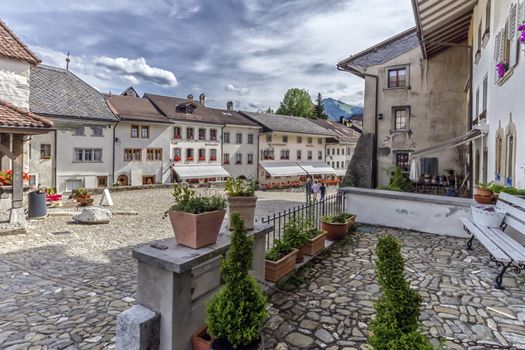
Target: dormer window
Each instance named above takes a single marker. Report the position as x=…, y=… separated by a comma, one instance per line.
x=189, y=110
x=186, y=108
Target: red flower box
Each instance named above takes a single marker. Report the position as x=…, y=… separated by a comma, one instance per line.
x=189, y=158
x=213, y=158
x=226, y=162
x=177, y=159
x=202, y=158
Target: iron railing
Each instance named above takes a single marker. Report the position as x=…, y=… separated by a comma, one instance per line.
x=312, y=211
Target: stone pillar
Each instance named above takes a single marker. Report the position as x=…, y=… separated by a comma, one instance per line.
x=5, y=162
x=17, y=211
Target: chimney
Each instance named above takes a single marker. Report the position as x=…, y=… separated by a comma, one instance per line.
x=202, y=99
x=190, y=97
x=229, y=105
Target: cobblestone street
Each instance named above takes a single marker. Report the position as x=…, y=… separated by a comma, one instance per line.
x=333, y=302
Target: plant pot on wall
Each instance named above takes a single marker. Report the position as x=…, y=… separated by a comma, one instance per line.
x=315, y=245
x=196, y=230
x=201, y=340
x=275, y=270
x=335, y=232
x=245, y=206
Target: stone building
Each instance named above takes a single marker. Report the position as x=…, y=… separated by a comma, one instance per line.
x=408, y=105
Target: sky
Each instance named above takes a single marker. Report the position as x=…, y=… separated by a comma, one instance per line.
x=246, y=51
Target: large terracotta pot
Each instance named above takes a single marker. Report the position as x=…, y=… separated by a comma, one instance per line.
x=200, y=340
x=275, y=270
x=245, y=206
x=258, y=345
x=335, y=232
x=84, y=201
x=315, y=245
x=483, y=199
x=484, y=192
x=196, y=230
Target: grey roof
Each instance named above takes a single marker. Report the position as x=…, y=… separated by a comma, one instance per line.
x=284, y=123
x=385, y=51
x=343, y=133
x=59, y=93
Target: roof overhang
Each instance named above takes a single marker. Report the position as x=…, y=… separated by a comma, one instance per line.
x=472, y=135
x=442, y=23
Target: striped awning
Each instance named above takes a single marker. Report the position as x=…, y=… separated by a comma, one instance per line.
x=317, y=168
x=200, y=171
x=283, y=169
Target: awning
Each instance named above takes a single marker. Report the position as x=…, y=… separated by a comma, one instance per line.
x=200, y=171
x=340, y=172
x=283, y=169
x=455, y=142
x=319, y=168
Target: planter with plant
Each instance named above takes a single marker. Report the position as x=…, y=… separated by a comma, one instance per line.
x=242, y=200
x=280, y=261
x=295, y=236
x=513, y=191
x=336, y=227
x=316, y=241
x=484, y=194
x=350, y=218
x=196, y=220
x=237, y=312
x=83, y=196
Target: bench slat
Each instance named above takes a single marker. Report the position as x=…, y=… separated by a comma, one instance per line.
x=518, y=202
x=517, y=214
x=493, y=249
x=514, y=249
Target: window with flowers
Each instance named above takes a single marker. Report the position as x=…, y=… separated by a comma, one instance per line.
x=177, y=154
x=213, y=154
x=202, y=154
x=6, y=177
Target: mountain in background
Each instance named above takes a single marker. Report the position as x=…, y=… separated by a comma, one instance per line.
x=335, y=109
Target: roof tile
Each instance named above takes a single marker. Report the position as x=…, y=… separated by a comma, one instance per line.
x=11, y=46
x=12, y=116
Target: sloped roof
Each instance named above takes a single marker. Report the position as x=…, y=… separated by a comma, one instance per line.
x=284, y=123
x=342, y=133
x=135, y=108
x=11, y=46
x=383, y=52
x=59, y=93
x=233, y=117
x=12, y=116
x=168, y=106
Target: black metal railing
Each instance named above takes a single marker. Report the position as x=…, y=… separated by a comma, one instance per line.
x=312, y=211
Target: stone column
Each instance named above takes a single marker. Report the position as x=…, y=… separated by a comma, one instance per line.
x=17, y=211
x=5, y=162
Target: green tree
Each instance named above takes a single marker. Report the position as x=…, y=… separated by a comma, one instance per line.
x=296, y=102
x=319, y=108
x=269, y=110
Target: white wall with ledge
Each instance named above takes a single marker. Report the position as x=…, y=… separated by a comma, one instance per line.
x=14, y=81
x=408, y=211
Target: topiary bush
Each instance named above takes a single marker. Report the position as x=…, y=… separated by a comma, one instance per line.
x=236, y=313
x=396, y=325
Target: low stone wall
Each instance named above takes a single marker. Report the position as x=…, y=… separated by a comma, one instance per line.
x=409, y=211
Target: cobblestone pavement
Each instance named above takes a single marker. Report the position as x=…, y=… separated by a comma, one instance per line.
x=331, y=303
x=62, y=285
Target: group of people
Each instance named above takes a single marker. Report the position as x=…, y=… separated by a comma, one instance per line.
x=316, y=189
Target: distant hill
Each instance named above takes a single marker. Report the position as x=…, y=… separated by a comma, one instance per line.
x=335, y=109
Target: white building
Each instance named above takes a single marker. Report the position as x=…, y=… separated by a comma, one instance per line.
x=79, y=153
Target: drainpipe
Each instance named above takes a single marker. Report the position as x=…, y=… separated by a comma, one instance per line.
x=55, y=155
x=114, y=154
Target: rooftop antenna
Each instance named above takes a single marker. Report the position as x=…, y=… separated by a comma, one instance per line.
x=68, y=59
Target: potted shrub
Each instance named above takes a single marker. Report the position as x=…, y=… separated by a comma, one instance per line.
x=497, y=189
x=280, y=261
x=295, y=236
x=336, y=226
x=350, y=218
x=237, y=312
x=242, y=200
x=196, y=220
x=316, y=241
x=484, y=194
x=83, y=196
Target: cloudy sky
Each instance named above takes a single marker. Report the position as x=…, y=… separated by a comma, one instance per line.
x=247, y=51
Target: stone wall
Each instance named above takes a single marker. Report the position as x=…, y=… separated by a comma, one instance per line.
x=14, y=81
x=359, y=173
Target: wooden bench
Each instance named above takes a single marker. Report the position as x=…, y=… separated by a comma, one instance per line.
x=504, y=250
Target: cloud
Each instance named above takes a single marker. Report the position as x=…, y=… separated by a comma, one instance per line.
x=138, y=68
x=241, y=91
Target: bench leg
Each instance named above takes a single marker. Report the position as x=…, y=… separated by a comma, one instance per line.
x=469, y=243
x=499, y=278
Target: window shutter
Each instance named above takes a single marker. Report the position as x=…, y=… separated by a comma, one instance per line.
x=521, y=12
x=497, y=43
x=513, y=21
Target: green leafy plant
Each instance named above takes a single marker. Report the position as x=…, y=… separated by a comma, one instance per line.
x=396, y=325
x=237, y=312
x=81, y=192
x=335, y=219
x=295, y=233
x=497, y=188
x=399, y=181
x=240, y=187
x=278, y=251
x=188, y=201
x=485, y=185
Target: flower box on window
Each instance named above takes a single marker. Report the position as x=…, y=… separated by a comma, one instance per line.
x=226, y=162
x=214, y=158
x=177, y=159
x=189, y=158
x=502, y=68
x=202, y=158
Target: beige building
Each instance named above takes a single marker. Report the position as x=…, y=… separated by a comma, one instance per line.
x=408, y=105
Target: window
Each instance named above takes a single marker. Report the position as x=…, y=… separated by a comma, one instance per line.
x=309, y=140
x=189, y=134
x=189, y=154
x=177, y=134
x=477, y=103
x=213, y=154
x=148, y=180
x=87, y=155
x=499, y=155
x=319, y=141
x=320, y=155
x=202, y=154
x=397, y=77
x=480, y=41
x=154, y=154
x=226, y=137
x=45, y=151
x=213, y=134
x=238, y=138
x=102, y=181
x=177, y=154
x=226, y=158
x=78, y=131
x=250, y=158
x=338, y=151
x=337, y=165
x=285, y=154
x=132, y=154
x=238, y=158
x=285, y=138
x=401, y=118
x=485, y=95
x=268, y=154
x=511, y=159
x=488, y=17
x=202, y=134
x=268, y=137
x=250, y=139
x=299, y=154
x=309, y=155
x=299, y=139
x=97, y=131
x=72, y=185
x=402, y=161
x=134, y=132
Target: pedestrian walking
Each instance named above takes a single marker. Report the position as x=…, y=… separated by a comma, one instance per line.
x=322, y=190
x=315, y=190
x=308, y=190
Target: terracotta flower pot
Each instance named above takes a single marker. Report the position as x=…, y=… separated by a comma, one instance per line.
x=300, y=255
x=484, y=192
x=483, y=199
x=200, y=340
x=245, y=206
x=275, y=270
x=196, y=230
x=85, y=200
x=256, y=345
x=335, y=232
x=315, y=245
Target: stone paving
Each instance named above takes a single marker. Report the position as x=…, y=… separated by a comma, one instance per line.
x=330, y=303
x=62, y=285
